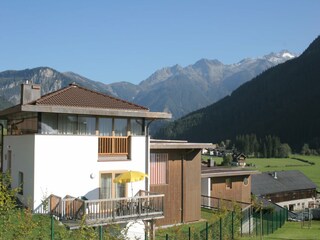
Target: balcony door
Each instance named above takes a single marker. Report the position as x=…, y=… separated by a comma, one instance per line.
x=108, y=189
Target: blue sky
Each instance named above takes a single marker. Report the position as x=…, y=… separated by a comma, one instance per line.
x=112, y=41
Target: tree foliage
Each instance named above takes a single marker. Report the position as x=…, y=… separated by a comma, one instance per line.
x=267, y=147
x=7, y=194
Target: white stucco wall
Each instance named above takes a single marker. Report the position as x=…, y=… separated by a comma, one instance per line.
x=299, y=204
x=22, y=159
x=205, y=186
x=205, y=189
x=63, y=165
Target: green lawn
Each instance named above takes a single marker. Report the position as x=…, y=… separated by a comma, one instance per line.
x=217, y=160
x=293, y=231
x=283, y=164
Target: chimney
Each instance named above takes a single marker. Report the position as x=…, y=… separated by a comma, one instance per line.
x=30, y=92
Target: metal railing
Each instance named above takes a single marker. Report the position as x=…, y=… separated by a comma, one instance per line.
x=114, y=145
x=218, y=203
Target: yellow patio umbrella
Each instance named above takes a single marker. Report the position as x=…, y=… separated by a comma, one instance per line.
x=130, y=177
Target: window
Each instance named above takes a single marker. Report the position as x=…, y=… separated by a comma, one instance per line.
x=120, y=189
x=108, y=189
x=245, y=181
x=228, y=183
x=87, y=125
x=105, y=126
x=120, y=126
x=20, y=179
x=158, y=168
x=67, y=124
x=49, y=123
x=136, y=127
x=24, y=123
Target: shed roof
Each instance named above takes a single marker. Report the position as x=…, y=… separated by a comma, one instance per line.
x=284, y=181
x=176, y=144
x=225, y=171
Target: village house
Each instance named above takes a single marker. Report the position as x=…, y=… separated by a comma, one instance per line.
x=239, y=159
x=66, y=148
x=289, y=189
x=223, y=187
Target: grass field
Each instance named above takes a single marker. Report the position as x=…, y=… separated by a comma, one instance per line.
x=293, y=231
x=283, y=164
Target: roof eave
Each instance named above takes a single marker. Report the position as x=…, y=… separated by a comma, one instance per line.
x=179, y=145
x=228, y=174
x=11, y=110
x=95, y=111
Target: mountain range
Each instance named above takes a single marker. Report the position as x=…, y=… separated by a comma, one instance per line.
x=176, y=89
x=282, y=101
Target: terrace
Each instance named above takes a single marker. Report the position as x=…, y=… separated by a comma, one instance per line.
x=73, y=211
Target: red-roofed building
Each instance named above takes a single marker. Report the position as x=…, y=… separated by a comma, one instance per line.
x=74, y=142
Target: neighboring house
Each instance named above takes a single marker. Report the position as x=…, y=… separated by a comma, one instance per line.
x=239, y=159
x=290, y=189
x=175, y=168
x=74, y=142
x=222, y=187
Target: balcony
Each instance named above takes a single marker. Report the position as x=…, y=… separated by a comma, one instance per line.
x=71, y=211
x=114, y=145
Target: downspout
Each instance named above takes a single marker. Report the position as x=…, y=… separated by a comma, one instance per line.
x=147, y=154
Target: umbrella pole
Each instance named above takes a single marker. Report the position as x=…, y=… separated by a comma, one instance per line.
x=131, y=190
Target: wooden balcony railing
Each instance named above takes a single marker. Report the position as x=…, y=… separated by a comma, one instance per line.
x=114, y=145
x=104, y=211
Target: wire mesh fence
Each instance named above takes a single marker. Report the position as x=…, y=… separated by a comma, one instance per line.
x=234, y=226
x=225, y=225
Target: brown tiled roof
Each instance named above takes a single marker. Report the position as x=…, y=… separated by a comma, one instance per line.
x=76, y=96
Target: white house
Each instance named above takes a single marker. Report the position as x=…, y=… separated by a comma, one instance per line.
x=74, y=142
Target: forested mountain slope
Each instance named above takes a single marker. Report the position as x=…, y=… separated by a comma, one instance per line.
x=282, y=101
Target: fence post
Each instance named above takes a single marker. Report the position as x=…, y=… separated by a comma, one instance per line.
x=249, y=222
x=256, y=225
x=271, y=222
x=262, y=220
x=241, y=225
x=268, y=217
x=100, y=232
x=52, y=227
x=189, y=233
x=232, y=234
x=167, y=236
x=207, y=231
x=220, y=228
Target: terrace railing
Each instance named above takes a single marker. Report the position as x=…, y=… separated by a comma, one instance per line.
x=218, y=203
x=103, y=211
x=113, y=145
